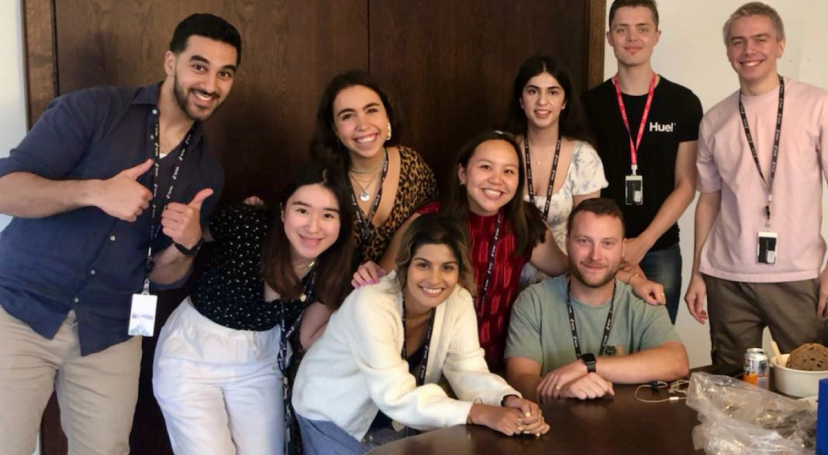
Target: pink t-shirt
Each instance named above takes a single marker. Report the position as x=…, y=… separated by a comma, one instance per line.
x=725, y=163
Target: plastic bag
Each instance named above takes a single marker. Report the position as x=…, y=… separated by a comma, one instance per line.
x=738, y=418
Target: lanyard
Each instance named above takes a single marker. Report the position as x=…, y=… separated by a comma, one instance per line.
x=424, y=363
x=551, y=175
x=285, y=335
x=305, y=300
x=574, y=329
x=634, y=146
x=155, y=230
x=363, y=222
x=490, y=266
x=769, y=183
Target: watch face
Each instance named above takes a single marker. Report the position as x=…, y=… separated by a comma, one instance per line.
x=588, y=358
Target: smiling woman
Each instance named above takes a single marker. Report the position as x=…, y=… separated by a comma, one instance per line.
x=389, y=345
x=272, y=283
x=359, y=126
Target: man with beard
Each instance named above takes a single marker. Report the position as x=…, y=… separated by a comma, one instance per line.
x=575, y=335
x=108, y=194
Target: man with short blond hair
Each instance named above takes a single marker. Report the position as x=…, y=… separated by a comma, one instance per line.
x=575, y=335
x=762, y=157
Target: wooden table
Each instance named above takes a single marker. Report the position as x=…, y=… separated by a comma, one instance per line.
x=619, y=425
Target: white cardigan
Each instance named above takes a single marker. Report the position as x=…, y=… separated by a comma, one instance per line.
x=355, y=369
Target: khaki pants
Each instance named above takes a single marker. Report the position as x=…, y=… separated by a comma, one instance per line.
x=97, y=393
x=739, y=312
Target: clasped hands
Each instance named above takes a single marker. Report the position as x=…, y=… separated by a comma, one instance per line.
x=573, y=381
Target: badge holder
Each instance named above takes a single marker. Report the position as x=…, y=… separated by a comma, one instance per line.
x=766, y=247
x=142, y=313
x=633, y=189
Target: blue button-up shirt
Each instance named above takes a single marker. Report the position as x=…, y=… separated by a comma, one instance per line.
x=84, y=259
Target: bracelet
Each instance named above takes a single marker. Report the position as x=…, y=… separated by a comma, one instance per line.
x=631, y=278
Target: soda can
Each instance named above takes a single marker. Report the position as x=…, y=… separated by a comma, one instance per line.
x=757, y=371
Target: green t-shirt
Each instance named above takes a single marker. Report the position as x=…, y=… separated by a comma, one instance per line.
x=539, y=328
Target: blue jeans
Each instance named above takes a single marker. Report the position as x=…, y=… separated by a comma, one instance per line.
x=664, y=267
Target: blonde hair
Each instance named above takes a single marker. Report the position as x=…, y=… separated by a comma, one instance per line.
x=755, y=9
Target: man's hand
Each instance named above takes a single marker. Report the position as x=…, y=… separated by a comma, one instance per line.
x=182, y=223
x=696, y=293
x=551, y=385
x=122, y=196
x=822, y=305
x=588, y=387
x=634, y=251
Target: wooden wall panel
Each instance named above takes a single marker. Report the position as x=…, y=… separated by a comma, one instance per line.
x=291, y=48
x=451, y=64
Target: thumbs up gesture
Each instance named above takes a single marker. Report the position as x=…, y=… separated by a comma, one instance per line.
x=122, y=196
x=182, y=222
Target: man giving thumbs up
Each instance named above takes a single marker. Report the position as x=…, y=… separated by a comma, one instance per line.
x=108, y=192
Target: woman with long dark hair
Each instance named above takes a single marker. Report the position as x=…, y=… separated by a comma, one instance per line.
x=358, y=125
x=274, y=279
x=372, y=377
x=505, y=234
x=562, y=166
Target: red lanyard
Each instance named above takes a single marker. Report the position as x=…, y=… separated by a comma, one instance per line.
x=634, y=146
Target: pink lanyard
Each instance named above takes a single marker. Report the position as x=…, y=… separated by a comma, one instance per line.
x=634, y=146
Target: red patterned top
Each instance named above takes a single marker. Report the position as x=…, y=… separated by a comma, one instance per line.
x=493, y=314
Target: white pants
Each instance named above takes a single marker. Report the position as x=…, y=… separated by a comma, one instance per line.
x=220, y=389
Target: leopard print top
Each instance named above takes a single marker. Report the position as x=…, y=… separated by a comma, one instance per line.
x=417, y=186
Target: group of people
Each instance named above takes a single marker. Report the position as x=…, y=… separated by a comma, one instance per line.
x=361, y=307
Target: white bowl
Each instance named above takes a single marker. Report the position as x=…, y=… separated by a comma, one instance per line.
x=796, y=383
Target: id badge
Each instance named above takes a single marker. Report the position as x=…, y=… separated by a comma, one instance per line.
x=142, y=315
x=766, y=247
x=633, y=190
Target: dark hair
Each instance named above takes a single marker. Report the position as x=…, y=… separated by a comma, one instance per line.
x=598, y=206
x=572, y=123
x=334, y=264
x=526, y=219
x=436, y=229
x=326, y=145
x=208, y=26
x=651, y=4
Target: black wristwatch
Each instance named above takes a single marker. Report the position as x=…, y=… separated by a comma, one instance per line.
x=589, y=361
x=189, y=251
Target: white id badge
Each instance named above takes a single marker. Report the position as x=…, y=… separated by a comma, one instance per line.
x=766, y=247
x=633, y=190
x=142, y=315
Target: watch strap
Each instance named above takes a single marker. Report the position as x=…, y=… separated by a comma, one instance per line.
x=189, y=251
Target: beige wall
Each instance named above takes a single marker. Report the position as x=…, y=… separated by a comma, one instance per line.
x=12, y=93
x=691, y=52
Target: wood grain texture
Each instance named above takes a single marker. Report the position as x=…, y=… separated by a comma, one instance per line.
x=596, y=41
x=291, y=49
x=40, y=57
x=451, y=64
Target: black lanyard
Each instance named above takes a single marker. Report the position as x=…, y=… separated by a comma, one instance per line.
x=423, y=363
x=769, y=183
x=363, y=222
x=156, y=229
x=481, y=299
x=551, y=175
x=574, y=329
x=304, y=300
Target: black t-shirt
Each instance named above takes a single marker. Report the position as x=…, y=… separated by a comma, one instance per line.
x=231, y=290
x=674, y=118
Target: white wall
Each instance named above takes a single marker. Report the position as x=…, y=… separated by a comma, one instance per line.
x=12, y=92
x=12, y=87
x=692, y=53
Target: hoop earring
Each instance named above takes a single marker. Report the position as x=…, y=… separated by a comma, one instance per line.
x=389, y=132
